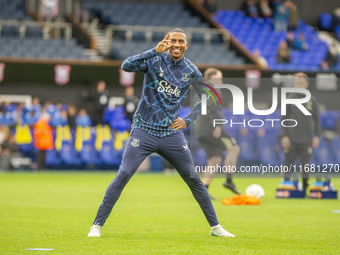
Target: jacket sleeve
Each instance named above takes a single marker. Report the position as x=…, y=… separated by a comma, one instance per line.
x=138, y=62
x=198, y=85
x=215, y=110
x=316, y=117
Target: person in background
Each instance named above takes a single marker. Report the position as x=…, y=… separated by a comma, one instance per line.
x=300, y=43
x=332, y=58
x=8, y=150
x=261, y=60
x=281, y=15
x=131, y=102
x=215, y=140
x=250, y=8
x=101, y=99
x=7, y=114
x=283, y=53
x=290, y=39
x=4, y=133
x=293, y=18
x=300, y=140
x=43, y=138
x=49, y=108
x=264, y=9
x=71, y=116
x=32, y=112
x=59, y=118
x=35, y=106
x=18, y=114
x=83, y=119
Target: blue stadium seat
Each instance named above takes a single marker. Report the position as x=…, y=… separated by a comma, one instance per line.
x=324, y=154
x=68, y=155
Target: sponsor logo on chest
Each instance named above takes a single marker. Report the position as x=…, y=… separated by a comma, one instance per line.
x=165, y=87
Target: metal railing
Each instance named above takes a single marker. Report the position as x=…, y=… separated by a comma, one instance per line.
x=58, y=28
x=207, y=33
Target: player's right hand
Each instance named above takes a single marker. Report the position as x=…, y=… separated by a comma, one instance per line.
x=164, y=45
x=285, y=142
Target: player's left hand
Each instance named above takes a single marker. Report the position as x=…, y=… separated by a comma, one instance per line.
x=315, y=142
x=178, y=123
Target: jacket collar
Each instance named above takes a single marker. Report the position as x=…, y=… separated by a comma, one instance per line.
x=172, y=61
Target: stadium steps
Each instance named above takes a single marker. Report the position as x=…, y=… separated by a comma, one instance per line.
x=102, y=41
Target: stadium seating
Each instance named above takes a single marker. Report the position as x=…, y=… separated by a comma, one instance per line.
x=143, y=14
x=157, y=14
x=102, y=147
x=40, y=48
x=13, y=10
x=325, y=21
x=258, y=33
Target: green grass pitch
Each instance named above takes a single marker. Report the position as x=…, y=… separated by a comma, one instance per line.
x=156, y=214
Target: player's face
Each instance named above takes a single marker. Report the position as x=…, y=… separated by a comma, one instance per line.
x=300, y=82
x=179, y=45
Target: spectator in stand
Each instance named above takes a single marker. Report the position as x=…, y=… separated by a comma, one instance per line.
x=131, y=102
x=283, y=53
x=19, y=117
x=261, y=60
x=300, y=43
x=35, y=107
x=293, y=15
x=49, y=108
x=32, y=117
x=43, y=138
x=290, y=39
x=264, y=9
x=7, y=114
x=250, y=8
x=281, y=15
x=83, y=119
x=332, y=58
x=71, y=116
x=210, y=6
x=59, y=118
x=32, y=112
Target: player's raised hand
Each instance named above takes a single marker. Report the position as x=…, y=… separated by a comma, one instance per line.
x=178, y=123
x=164, y=45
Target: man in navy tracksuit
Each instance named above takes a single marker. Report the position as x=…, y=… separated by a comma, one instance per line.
x=156, y=126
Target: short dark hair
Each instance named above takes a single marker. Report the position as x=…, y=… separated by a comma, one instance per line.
x=179, y=30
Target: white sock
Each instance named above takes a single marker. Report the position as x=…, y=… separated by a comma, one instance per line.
x=216, y=226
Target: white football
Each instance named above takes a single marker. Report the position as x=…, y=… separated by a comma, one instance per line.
x=255, y=190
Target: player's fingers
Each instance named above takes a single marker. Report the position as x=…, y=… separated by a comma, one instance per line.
x=174, y=124
x=167, y=36
x=169, y=46
x=163, y=44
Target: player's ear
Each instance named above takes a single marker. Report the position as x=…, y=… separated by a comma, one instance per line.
x=186, y=45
